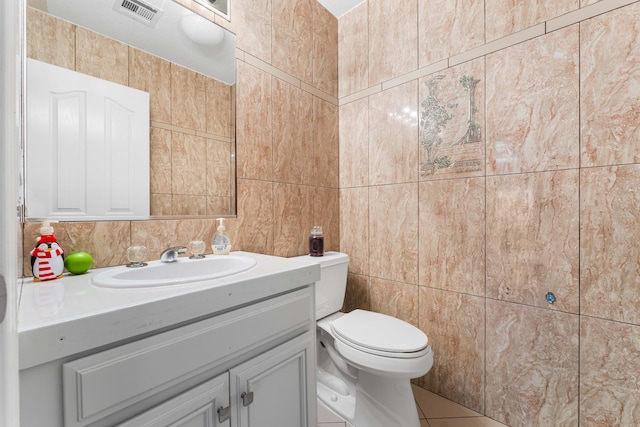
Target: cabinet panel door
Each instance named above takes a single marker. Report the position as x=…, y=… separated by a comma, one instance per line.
x=194, y=408
x=273, y=389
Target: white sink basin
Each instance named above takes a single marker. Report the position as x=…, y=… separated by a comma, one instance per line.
x=184, y=270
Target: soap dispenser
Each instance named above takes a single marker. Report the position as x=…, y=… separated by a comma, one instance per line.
x=47, y=258
x=221, y=243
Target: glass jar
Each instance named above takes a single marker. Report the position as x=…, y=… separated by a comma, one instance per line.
x=316, y=242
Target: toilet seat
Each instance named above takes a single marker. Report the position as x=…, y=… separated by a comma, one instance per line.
x=380, y=335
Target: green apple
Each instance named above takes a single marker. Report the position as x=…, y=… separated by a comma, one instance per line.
x=78, y=262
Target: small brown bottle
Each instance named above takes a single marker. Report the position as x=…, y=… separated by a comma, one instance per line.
x=316, y=242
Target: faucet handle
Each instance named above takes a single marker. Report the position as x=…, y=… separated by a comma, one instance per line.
x=197, y=248
x=136, y=255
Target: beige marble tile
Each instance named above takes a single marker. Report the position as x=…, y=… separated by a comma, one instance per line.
x=102, y=57
x=393, y=231
x=293, y=217
x=218, y=168
x=105, y=241
x=157, y=235
x=393, y=150
x=393, y=45
x=50, y=39
x=188, y=164
x=252, y=22
x=455, y=27
x=609, y=72
x=152, y=74
x=609, y=373
x=532, y=239
x=160, y=160
x=353, y=50
x=255, y=216
x=292, y=38
x=219, y=206
x=325, y=50
x=254, y=124
x=532, y=124
x=187, y=204
x=188, y=98
x=504, y=17
x=609, y=251
x=499, y=44
x=354, y=144
x=218, y=108
x=326, y=213
x=354, y=228
x=160, y=204
x=451, y=122
x=454, y=323
x=396, y=299
x=326, y=149
x=292, y=134
x=357, y=294
x=532, y=365
x=452, y=243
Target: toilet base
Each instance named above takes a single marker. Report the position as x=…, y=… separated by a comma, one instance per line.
x=372, y=402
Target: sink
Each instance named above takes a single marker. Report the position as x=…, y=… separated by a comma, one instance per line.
x=184, y=270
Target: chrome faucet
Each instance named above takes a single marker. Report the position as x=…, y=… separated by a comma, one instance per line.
x=171, y=254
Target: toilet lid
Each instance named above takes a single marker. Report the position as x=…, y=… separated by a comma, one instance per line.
x=379, y=332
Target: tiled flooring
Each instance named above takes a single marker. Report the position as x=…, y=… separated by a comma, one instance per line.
x=433, y=410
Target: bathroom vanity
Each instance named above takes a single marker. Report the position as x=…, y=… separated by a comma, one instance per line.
x=232, y=351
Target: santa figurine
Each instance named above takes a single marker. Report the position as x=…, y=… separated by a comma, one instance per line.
x=47, y=258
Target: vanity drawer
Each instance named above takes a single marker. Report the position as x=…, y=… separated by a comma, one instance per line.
x=99, y=385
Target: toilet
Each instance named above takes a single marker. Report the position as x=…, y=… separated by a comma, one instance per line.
x=365, y=359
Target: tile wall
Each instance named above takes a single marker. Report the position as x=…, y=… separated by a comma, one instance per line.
x=287, y=133
x=488, y=160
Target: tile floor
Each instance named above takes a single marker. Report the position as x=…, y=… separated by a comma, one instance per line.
x=434, y=411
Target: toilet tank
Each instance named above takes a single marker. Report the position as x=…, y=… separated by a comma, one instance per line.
x=332, y=285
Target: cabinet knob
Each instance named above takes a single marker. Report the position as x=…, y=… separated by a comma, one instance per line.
x=247, y=398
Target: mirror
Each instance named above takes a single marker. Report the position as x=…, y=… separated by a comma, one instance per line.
x=186, y=64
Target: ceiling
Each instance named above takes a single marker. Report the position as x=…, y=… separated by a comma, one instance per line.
x=340, y=7
x=165, y=39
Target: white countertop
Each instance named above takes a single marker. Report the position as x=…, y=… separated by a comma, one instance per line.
x=66, y=316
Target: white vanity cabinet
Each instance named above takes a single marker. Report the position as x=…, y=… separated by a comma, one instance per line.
x=267, y=391
x=249, y=364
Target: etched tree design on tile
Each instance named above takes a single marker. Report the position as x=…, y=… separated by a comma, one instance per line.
x=433, y=119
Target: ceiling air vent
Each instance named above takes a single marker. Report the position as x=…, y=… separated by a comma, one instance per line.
x=139, y=10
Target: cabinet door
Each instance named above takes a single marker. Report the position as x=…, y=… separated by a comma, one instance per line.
x=197, y=407
x=275, y=388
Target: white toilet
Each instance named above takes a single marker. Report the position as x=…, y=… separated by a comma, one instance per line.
x=365, y=359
